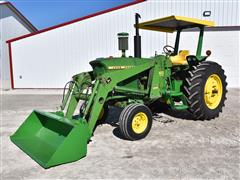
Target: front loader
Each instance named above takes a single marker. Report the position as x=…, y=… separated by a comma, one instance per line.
x=182, y=80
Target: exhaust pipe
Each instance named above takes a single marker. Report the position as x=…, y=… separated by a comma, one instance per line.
x=137, y=38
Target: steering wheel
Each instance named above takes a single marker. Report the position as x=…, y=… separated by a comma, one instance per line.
x=168, y=50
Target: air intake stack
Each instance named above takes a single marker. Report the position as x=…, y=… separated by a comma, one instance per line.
x=123, y=43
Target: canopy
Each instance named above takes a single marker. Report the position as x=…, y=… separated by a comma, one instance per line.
x=172, y=23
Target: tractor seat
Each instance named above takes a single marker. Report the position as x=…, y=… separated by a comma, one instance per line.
x=181, y=58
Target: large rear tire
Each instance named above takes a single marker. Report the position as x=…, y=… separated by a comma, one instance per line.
x=205, y=89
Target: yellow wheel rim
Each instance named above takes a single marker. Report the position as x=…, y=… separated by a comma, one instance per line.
x=140, y=122
x=213, y=91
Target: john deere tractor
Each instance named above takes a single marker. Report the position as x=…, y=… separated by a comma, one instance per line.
x=181, y=80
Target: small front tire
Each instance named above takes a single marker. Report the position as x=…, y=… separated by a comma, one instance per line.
x=135, y=121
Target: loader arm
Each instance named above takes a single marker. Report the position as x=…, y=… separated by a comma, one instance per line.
x=103, y=85
x=106, y=84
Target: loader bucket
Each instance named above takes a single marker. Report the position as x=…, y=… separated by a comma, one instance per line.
x=51, y=140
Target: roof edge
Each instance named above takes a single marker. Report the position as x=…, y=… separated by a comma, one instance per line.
x=21, y=16
x=152, y=24
x=76, y=20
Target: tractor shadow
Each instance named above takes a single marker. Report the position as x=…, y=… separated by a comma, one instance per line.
x=156, y=108
x=159, y=107
x=112, y=119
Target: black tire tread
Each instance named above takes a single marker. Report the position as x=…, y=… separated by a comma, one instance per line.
x=124, y=118
x=192, y=89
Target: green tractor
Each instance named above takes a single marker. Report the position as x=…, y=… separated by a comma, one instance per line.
x=181, y=80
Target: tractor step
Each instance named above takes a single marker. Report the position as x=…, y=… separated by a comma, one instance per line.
x=174, y=94
x=180, y=107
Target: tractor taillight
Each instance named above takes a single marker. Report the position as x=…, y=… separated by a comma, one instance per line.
x=208, y=52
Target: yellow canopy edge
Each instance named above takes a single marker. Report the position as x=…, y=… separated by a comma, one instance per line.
x=172, y=23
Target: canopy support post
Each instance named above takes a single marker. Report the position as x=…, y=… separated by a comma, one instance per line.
x=177, y=41
x=200, y=42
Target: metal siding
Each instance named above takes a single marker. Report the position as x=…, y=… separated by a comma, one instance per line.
x=49, y=59
x=10, y=26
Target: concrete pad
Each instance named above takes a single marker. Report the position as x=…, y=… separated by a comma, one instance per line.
x=31, y=91
x=174, y=149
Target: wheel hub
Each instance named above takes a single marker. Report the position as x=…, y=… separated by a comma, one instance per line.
x=213, y=91
x=140, y=122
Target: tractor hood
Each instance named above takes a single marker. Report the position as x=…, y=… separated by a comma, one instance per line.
x=117, y=63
